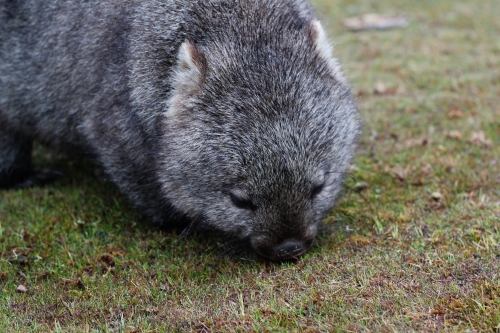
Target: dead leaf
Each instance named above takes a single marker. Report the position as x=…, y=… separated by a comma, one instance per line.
x=152, y=310
x=456, y=135
x=438, y=312
x=455, y=113
x=73, y=283
x=375, y=22
x=418, y=142
x=380, y=88
x=42, y=275
x=480, y=138
x=400, y=174
x=21, y=289
x=437, y=196
x=418, y=182
x=108, y=260
x=117, y=253
x=426, y=169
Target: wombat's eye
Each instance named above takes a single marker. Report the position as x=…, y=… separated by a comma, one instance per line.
x=242, y=202
x=317, y=190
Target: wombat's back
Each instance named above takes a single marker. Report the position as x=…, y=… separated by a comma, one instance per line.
x=59, y=62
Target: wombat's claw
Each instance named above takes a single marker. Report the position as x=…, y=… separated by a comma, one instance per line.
x=40, y=178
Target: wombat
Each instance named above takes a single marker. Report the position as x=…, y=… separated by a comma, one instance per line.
x=229, y=113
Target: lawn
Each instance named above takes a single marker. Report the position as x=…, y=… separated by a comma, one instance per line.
x=414, y=245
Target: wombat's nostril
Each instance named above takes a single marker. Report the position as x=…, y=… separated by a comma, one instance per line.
x=289, y=249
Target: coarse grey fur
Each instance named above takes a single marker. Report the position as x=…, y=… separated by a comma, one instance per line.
x=231, y=113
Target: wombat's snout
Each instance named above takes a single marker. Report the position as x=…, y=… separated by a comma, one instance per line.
x=287, y=250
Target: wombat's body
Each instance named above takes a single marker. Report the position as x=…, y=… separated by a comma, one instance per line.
x=228, y=112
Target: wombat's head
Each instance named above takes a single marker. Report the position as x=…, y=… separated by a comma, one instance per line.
x=258, y=136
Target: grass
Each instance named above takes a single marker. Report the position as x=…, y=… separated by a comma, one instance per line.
x=414, y=245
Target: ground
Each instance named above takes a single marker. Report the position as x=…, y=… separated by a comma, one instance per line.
x=412, y=246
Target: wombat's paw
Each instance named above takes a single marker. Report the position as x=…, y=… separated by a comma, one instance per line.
x=39, y=178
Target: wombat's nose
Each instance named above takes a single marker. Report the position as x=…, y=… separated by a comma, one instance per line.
x=290, y=249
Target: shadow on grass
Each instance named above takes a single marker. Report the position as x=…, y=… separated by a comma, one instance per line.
x=102, y=214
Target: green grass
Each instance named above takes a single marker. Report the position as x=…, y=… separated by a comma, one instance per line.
x=392, y=257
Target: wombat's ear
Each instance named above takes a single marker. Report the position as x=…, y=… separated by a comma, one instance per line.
x=191, y=60
x=323, y=46
x=187, y=78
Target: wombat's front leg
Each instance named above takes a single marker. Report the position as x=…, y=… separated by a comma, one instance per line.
x=16, y=169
